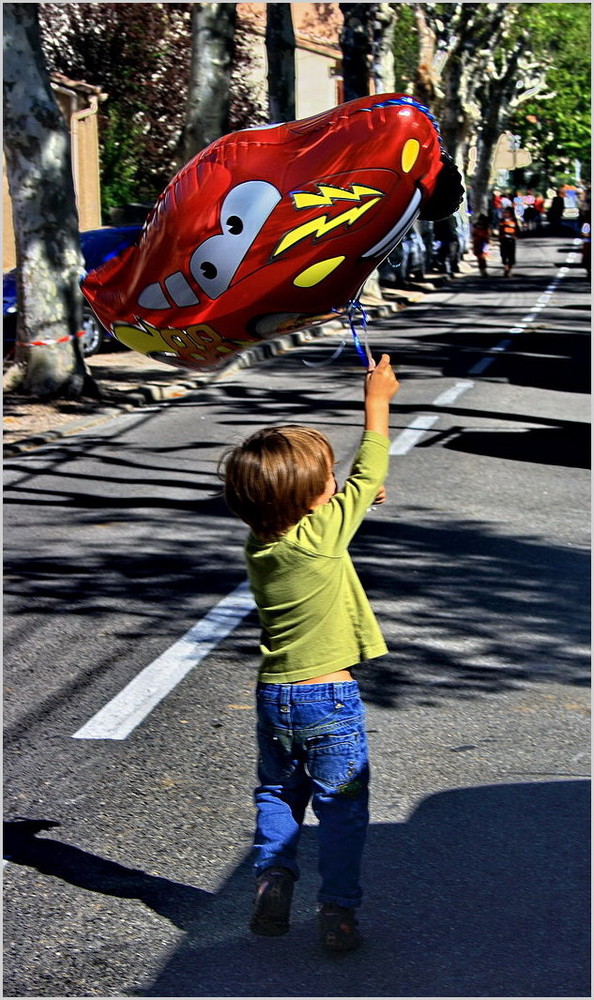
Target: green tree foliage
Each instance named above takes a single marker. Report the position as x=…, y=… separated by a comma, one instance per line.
x=406, y=48
x=248, y=97
x=139, y=54
x=557, y=128
x=488, y=67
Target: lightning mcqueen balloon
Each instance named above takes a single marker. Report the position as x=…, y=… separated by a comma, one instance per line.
x=272, y=229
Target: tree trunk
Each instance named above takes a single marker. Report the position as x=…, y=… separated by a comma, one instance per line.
x=363, y=40
x=355, y=42
x=207, y=115
x=280, y=52
x=49, y=261
x=425, y=81
x=382, y=64
x=496, y=103
x=480, y=182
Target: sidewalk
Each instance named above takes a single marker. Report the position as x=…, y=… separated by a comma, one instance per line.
x=127, y=379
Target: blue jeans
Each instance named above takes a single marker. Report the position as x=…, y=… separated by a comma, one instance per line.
x=312, y=745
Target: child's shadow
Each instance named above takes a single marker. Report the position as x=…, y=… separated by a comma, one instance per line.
x=177, y=902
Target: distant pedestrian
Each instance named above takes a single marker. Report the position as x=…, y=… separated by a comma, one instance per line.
x=496, y=210
x=530, y=213
x=508, y=234
x=448, y=245
x=316, y=625
x=481, y=232
x=555, y=213
x=518, y=207
x=539, y=203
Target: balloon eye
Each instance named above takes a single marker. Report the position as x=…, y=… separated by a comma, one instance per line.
x=410, y=154
x=209, y=270
x=234, y=225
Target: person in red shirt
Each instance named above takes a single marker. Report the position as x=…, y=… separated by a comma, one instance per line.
x=508, y=234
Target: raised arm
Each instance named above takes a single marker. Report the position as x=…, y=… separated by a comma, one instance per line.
x=381, y=385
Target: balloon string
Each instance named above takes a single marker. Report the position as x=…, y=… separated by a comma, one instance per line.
x=333, y=357
x=362, y=348
x=354, y=307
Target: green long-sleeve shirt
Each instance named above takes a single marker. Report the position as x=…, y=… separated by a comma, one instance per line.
x=314, y=612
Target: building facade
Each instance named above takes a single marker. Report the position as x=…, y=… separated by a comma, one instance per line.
x=79, y=103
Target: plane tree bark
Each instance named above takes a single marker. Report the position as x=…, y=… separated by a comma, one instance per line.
x=280, y=53
x=355, y=42
x=48, y=358
x=383, y=23
x=366, y=40
x=207, y=113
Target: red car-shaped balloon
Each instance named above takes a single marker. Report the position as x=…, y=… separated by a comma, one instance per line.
x=272, y=229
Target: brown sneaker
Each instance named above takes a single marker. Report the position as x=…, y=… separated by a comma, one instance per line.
x=272, y=905
x=338, y=927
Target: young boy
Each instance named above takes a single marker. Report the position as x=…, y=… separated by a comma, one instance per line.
x=508, y=233
x=316, y=625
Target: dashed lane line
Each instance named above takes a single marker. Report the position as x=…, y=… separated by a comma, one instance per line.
x=409, y=437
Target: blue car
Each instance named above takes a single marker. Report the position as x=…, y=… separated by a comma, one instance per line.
x=97, y=246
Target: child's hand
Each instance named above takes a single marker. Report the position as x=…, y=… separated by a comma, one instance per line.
x=380, y=381
x=381, y=496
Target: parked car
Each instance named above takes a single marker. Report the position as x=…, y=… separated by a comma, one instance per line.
x=97, y=246
x=407, y=260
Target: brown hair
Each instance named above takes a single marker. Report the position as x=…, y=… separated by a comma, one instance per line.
x=272, y=479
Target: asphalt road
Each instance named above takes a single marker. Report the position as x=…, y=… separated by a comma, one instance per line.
x=128, y=851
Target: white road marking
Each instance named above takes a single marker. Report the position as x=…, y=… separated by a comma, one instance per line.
x=124, y=712
x=411, y=435
x=408, y=438
x=449, y=396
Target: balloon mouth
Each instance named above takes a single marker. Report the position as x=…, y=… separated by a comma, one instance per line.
x=398, y=230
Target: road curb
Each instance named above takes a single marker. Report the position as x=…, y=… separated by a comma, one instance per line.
x=162, y=392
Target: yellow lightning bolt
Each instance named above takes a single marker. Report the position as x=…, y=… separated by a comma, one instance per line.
x=321, y=226
x=328, y=195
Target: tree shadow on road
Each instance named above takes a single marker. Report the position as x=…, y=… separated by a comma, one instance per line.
x=482, y=892
x=466, y=608
x=470, y=611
